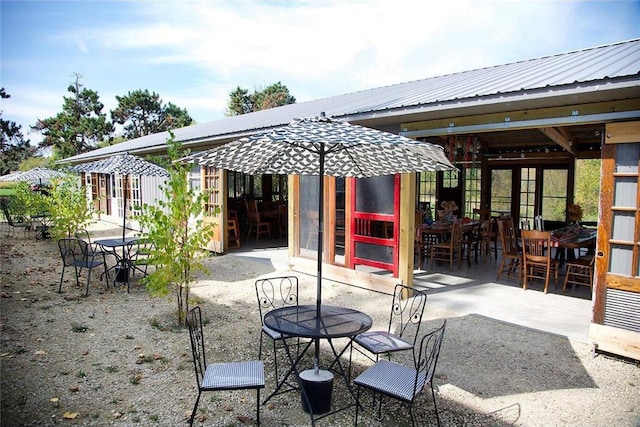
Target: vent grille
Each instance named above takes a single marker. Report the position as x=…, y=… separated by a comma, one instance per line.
x=621, y=310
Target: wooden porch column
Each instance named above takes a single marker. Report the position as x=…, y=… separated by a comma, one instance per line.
x=407, y=227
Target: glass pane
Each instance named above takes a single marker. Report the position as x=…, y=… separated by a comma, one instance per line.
x=627, y=156
x=620, y=259
x=527, y=193
x=623, y=226
x=625, y=191
x=309, y=215
x=554, y=194
x=501, y=190
x=587, y=179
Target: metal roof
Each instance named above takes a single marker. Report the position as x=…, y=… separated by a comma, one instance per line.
x=602, y=73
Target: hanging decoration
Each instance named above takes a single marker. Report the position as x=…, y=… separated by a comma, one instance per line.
x=463, y=149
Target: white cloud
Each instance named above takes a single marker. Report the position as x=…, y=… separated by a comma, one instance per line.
x=194, y=53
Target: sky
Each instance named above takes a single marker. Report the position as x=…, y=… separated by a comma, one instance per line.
x=195, y=53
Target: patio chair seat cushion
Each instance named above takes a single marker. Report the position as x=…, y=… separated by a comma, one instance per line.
x=379, y=342
x=274, y=335
x=392, y=379
x=233, y=375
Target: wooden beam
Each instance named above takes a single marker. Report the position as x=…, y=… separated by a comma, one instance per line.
x=559, y=138
x=504, y=118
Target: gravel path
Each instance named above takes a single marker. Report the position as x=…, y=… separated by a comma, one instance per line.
x=117, y=359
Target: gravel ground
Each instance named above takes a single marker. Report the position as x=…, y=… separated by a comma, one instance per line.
x=117, y=358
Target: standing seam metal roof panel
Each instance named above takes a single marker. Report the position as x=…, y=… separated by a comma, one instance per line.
x=607, y=63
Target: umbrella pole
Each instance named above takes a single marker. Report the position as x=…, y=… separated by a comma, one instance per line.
x=320, y=230
x=124, y=205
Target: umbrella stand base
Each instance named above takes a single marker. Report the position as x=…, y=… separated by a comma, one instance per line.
x=318, y=389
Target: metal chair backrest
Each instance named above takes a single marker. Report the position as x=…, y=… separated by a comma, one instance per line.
x=525, y=224
x=276, y=292
x=194, y=321
x=538, y=223
x=406, y=312
x=73, y=251
x=426, y=356
x=83, y=234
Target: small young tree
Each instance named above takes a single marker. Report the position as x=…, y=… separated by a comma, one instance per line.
x=67, y=204
x=176, y=228
x=27, y=202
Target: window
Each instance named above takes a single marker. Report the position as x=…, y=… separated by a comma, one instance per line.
x=586, y=182
x=472, y=190
x=212, y=186
x=527, y=194
x=554, y=194
x=235, y=184
x=450, y=179
x=501, y=190
x=135, y=194
x=194, y=178
x=426, y=188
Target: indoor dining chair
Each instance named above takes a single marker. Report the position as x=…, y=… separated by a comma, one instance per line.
x=449, y=251
x=405, y=383
x=221, y=376
x=579, y=272
x=537, y=261
x=257, y=224
x=511, y=252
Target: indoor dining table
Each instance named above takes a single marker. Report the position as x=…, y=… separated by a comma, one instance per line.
x=302, y=321
x=567, y=239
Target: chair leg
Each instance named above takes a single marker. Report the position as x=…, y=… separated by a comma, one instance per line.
x=357, y=399
x=275, y=360
x=195, y=408
x=435, y=406
x=258, y=405
x=61, y=277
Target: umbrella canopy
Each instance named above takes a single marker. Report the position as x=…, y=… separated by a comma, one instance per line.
x=324, y=146
x=348, y=151
x=33, y=175
x=122, y=164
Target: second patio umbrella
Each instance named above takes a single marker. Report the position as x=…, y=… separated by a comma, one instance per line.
x=122, y=164
x=324, y=146
x=33, y=175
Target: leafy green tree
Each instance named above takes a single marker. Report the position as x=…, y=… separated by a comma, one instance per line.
x=14, y=148
x=142, y=113
x=176, y=228
x=68, y=206
x=242, y=102
x=81, y=125
x=587, y=187
x=26, y=202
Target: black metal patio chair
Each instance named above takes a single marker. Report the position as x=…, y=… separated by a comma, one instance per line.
x=402, y=332
x=76, y=253
x=272, y=293
x=405, y=383
x=221, y=376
